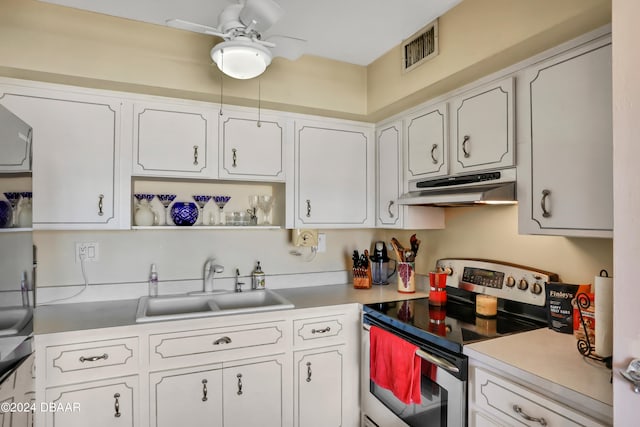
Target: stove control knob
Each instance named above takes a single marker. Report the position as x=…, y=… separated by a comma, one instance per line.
x=449, y=271
x=523, y=285
x=511, y=282
x=536, y=288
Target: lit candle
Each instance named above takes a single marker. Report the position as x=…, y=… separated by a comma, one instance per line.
x=486, y=305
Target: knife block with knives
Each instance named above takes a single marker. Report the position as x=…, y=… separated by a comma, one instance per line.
x=361, y=270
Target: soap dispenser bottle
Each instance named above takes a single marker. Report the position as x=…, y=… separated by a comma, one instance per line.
x=153, y=282
x=258, y=278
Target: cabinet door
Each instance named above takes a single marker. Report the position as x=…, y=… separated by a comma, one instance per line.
x=318, y=381
x=483, y=128
x=187, y=397
x=106, y=403
x=427, y=133
x=389, y=186
x=389, y=174
x=15, y=142
x=252, y=146
x=566, y=177
x=252, y=394
x=334, y=175
x=174, y=140
x=76, y=149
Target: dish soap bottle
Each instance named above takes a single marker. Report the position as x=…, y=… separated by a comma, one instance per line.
x=153, y=282
x=258, y=278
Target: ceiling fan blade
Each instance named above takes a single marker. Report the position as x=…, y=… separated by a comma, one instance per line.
x=192, y=26
x=290, y=48
x=260, y=14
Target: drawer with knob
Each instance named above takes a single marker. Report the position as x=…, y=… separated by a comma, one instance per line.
x=211, y=344
x=513, y=404
x=95, y=359
x=318, y=330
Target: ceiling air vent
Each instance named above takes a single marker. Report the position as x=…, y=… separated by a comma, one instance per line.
x=420, y=47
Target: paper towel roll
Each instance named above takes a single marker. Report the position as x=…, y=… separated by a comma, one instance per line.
x=604, y=315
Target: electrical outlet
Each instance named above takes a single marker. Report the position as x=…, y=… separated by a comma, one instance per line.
x=322, y=242
x=87, y=250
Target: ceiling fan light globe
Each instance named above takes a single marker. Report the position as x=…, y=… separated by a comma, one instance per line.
x=241, y=60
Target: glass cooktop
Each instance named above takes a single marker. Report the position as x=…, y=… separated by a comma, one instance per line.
x=450, y=326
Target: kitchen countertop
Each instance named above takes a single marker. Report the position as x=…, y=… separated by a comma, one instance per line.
x=550, y=361
x=50, y=319
x=546, y=359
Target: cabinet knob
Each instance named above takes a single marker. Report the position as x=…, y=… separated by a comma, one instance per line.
x=204, y=390
x=308, y=372
x=464, y=146
x=434, y=147
x=100, y=204
x=239, y=376
x=308, y=208
x=195, y=155
x=234, y=157
x=391, y=214
x=543, y=203
x=116, y=405
x=518, y=410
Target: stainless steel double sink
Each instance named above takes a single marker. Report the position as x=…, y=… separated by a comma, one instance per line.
x=190, y=306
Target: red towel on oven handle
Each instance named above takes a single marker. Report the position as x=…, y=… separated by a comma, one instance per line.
x=394, y=365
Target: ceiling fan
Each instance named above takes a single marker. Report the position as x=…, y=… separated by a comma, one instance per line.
x=244, y=53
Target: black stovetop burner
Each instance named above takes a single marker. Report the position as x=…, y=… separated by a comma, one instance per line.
x=450, y=326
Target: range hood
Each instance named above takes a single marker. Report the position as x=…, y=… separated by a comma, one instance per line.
x=495, y=187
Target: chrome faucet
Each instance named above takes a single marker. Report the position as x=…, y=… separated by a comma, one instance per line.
x=209, y=270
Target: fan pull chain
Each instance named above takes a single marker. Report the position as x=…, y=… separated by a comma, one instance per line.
x=221, y=79
x=259, y=93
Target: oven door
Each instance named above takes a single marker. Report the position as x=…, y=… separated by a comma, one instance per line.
x=444, y=398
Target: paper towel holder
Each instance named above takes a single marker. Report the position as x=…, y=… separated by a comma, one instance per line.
x=585, y=347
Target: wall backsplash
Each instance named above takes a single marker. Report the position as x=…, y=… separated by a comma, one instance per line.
x=491, y=232
x=125, y=256
x=478, y=232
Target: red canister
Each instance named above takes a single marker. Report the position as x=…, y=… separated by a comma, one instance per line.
x=437, y=296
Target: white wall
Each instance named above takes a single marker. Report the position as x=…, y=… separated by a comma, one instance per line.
x=125, y=256
x=626, y=197
x=491, y=232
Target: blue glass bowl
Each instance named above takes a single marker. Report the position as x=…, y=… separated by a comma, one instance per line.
x=5, y=214
x=141, y=197
x=184, y=213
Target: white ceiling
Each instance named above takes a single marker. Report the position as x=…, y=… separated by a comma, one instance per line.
x=353, y=31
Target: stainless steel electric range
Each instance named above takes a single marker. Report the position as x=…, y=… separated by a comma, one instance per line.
x=440, y=333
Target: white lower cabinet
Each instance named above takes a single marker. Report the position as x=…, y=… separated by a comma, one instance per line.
x=105, y=403
x=318, y=387
x=253, y=393
x=495, y=400
x=190, y=397
x=279, y=369
x=326, y=366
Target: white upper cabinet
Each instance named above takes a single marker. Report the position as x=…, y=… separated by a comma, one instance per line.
x=427, y=142
x=15, y=142
x=565, y=170
x=389, y=173
x=76, y=157
x=174, y=140
x=483, y=128
x=334, y=174
x=252, y=145
x=389, y=186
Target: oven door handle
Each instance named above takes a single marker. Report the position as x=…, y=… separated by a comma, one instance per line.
x=438, y=361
